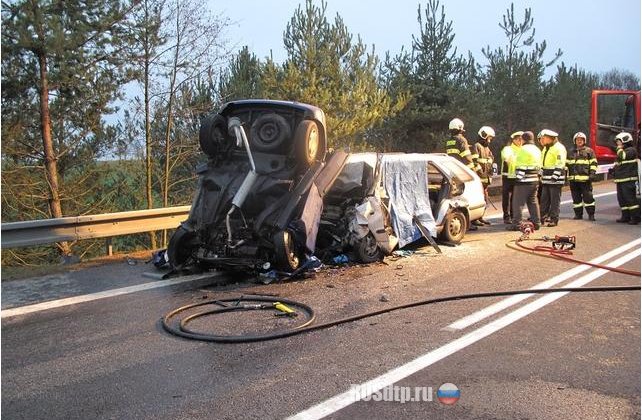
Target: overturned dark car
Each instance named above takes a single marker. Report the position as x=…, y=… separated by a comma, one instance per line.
x=270, y=196
x=260, y=194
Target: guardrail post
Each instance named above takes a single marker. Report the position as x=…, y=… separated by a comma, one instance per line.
x=109, y=248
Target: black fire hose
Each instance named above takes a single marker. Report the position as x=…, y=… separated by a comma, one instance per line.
x=265, y=303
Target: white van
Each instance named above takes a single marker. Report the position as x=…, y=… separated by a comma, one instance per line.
x=377, y=201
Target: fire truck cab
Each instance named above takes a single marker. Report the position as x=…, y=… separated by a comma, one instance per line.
x=613, y=112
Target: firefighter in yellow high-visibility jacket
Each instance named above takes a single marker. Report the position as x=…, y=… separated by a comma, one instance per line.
x=508, y=155
x=527, y=167
x=553, y=176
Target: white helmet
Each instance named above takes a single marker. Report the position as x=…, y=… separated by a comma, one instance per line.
x=624, y=137
x=578, y=135
x=546, y=132
x=456, y=124
x=486, y=131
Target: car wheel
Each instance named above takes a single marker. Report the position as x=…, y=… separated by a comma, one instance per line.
x=286, y=255
x=455, y=225
x=181, y=248
x=367, y=249
x=213, y=136
x=268, y=133
x=309, y=146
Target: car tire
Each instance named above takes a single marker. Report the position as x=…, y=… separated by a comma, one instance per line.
x=309, y=146
x=367, y=249
x=269, y=132
x=213, y=136
x=286, y=254
x=455, y=225
x=181, y=248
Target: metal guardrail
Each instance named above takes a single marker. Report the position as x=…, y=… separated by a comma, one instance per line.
x=38, y=232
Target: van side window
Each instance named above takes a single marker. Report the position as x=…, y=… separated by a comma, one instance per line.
x=435, y=178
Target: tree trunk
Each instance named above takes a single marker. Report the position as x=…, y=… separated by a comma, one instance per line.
x=51, y=167
x=148, y=137
x=168, y=129
x=168, y=126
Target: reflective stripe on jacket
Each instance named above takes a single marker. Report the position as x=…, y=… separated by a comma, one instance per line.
x=457, y=147
x=626, y=165
x=484, y=161
x=553, y=163
x=528, y=164
x=581, y=164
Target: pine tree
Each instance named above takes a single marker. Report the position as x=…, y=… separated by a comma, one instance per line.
x=434, y=78
x=64, y=61
x=242, y=78
x=513, y=77
x=568, y=96
x=325, y=67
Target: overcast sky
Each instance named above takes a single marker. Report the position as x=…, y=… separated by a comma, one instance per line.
x=597, y=35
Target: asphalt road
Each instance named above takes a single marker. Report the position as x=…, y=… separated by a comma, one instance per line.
x=545, y=356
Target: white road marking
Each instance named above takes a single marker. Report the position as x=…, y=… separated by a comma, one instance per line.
x=513, y=300
x=500, y=215
x=340, y=401
x=42, y=306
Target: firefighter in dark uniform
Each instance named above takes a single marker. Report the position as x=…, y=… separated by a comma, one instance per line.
x=625, y=175
x=582, y=164
x=483, y=158
x=457, y=147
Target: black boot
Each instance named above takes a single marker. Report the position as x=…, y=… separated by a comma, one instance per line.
x=626, y=217
x=591, y=213
x=578, y=213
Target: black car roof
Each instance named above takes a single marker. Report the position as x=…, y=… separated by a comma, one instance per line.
x=310, y=111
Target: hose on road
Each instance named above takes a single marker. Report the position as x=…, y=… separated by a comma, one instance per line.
x=561, y=254
x=245, y=303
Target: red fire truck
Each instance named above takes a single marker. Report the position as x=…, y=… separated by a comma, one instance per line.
x=612, y=112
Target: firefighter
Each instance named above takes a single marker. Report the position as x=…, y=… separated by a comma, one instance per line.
x=528, y=163
x=457, y=146
x=553, y=170
x=508, y=155
x=483, y=158
x=581, y=165
x=625, y=175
